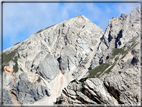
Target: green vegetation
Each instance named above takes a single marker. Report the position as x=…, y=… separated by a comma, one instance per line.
x=40, y=30
x=107, y=67
x=7, y=57
x=45, y=28
x=50, y=26
x=116, y=58
x=39, y=79
x=21, y=69
x=129, y=48
x=83, y=79
x=12, y=56
x=15, y=68
x=124, y=50
x=98, y=70
x=121, y=51
x=117, y=51
x=78, y=35
x=17, y=43
x=133, y=39
x=74, y=81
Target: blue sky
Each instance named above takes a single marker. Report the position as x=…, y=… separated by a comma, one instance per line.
x=20, y=20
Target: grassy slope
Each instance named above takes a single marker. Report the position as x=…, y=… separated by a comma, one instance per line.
x=117, y=54
x=12, y=56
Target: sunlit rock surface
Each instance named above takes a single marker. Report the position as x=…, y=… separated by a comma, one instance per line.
x=75, y=62
x=114, y=73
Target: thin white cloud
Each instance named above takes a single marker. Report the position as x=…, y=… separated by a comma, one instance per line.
x=126, y=8
x=31, y=17
x=18, y=17
x=95, y=10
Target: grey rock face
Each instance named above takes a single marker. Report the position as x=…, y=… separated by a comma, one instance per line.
x=91, y=91
x=119, y=31
x=118, y=87
x=54, y=62
x=48, y=68
x=58, y=53
x=28, y=93
x=114, y=76
x=68, y=61
x=122, y=84
x=6, y=99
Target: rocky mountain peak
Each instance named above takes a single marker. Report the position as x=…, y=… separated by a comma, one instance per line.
x=124, y=16
x=55, y=55
x=75, y=62
x=80, y=17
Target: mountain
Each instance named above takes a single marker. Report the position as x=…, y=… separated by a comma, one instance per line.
x=75, y=62
x=114, y=75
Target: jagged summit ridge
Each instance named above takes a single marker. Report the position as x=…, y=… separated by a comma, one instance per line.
x=114, y=72
x=55, y=56
x=79, y=19
x=74, y=62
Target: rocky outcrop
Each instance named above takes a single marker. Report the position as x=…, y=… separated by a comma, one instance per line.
x=114, y=76
x=124, y=86
x=50, y=59
x=119, y=31
x=48, y=68
x=91, y=91
x=74, y=62
x=120, y=86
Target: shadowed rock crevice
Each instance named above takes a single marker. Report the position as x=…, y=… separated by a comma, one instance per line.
x=90, y=96
x=117, y=41
x=114, y=92
x=59, y=61
x=109, y=37
x=135, y=60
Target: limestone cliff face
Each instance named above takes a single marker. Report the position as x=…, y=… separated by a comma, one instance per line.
x=45, y=63
x=114, y=73
x=74, y=62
